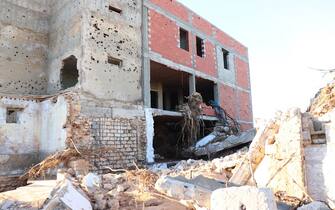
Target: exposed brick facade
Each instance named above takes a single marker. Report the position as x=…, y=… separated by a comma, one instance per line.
x=123, y=138
x=242, y=74
x=229, y=100
x=165, y=17
x=167, y=44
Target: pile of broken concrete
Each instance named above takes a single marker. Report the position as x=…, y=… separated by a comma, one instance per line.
x=287, y=166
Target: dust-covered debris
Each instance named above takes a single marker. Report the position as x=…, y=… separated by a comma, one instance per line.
x=219, y=168
x=324, y=101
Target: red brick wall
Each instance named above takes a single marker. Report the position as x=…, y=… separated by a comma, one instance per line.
x=242, y=74
x=201, y=24
x=164, y=39
x=173, y=7
x=226, y=40
x=246, y=126
x=207, y=63
x=228, y=100
x=164, y=36
x=243, y=99
x=237, y=104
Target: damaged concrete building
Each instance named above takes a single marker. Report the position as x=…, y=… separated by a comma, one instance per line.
x=109, y=75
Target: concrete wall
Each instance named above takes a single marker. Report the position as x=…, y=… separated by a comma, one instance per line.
x=282, y=168
x=53, y=133
x=110, y=34
x=319, y=161
x=23, y=47
x=39, y=131
x=65, y=33
x=19, y=142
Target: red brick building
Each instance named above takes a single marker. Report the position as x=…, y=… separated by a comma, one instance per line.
x=184, y=52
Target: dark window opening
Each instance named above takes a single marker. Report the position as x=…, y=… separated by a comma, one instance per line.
x=206, y=89
x=183, y=38
x=114, y=61
x=200, y=46
x=12, y=115
x=69, y=73
x=114, y=9
x=168, y=131
x=225, y=59
x=174, y=85
x=154, y=99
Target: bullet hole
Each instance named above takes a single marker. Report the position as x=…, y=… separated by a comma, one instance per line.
x=96, y=26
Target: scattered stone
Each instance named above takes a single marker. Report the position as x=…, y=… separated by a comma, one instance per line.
x=91, y=182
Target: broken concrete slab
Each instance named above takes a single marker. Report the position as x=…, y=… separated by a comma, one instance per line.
x=237, y=198
x=31, y=196
x=227, y=143
x=66, y=196
x=256, y=153
x=206, y=140
x=199, y=188
x=282, y=168
x=316, y=205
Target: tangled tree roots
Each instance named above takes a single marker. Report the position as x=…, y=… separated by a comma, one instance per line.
x=192, y=121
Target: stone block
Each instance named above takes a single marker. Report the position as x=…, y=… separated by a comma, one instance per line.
x=66, y=196
x=237, y=198
x=198, y=189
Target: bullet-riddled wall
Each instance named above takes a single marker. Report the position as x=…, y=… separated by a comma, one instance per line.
x=23, y=46
x=112, y=50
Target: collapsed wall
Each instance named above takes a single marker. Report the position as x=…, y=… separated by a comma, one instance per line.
x=111, y=90
x=293, y=155
x=30, y=130
x=94, y=50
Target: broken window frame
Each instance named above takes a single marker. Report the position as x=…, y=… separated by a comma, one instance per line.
x=10, y=111
x=200, y=47
x=114, y=9
x=63, y=72
x=225, y=58
x=184, y=39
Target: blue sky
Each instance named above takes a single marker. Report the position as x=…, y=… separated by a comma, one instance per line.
x=286, y=38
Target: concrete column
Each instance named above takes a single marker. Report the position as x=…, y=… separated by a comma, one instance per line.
x=146, y=60
x=146, y=83
x=217, y=93
x=191, y=83
x=166, y=95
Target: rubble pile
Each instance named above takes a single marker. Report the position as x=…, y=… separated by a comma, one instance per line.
x=288, y=165
x=219, y=168
x=324, y=101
